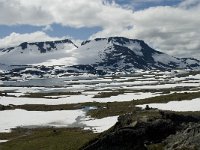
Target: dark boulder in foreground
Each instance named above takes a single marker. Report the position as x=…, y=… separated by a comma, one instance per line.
x=186, y=139
x=164, y=130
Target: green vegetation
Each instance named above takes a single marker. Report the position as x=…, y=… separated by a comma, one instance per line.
x=45, y=95
x=74, y=138
x=42, y=107
x=170, y=97
x=108, y=94
x=46, y=139
x=69, y=138
x=167, y=90
x=109, y=108
x=118, y=108
x=112, y=109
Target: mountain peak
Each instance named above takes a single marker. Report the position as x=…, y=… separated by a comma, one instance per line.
x=33, y=52
x=121, y=40
x=125, y=53
x=43, y=46
x=112, y=53
x=40, y=44
x=23, y=45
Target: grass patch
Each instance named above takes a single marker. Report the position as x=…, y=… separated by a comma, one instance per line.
x=108, y=94
x=43, y=107
x=46, y=139
x=168, y=98
x=118, y=108
x=110, y=108
x=44, y=95
x=39, y=107
x=167, y=90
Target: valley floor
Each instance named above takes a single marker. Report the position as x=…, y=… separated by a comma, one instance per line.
x=34, y=112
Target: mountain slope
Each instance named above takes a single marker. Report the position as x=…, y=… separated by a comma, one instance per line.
x=111, y=54
x=119, y=53
x=34, y=53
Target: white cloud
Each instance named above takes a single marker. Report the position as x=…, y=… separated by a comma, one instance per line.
x=16, y=12
x=47, y=28
x=79, y=13
x=189, y=3
x=15, y=39
x=156, y=1
x=172, y=29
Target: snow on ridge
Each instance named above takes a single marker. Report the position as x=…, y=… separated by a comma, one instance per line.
x=92, y=52
x=164, y=58
x=130, y=44
x=33, y=55
x=191, y=61
x=135, y=47
x=63, y=54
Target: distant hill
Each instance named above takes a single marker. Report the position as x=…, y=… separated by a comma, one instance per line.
x=101, y=55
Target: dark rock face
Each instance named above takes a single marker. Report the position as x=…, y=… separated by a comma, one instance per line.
x=125, y=139
x=121, y=55
x=115, y=54
x=131, y=134
x=186, y=139
x=2, y=107
x=40, y=45
x=24, y=45
x=135, y=138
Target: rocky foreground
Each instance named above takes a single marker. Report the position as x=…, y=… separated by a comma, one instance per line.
x=150, y=130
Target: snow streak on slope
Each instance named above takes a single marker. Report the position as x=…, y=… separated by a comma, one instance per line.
x=164, y=58
x=39, y=52
x=106, y=54
x=92, y=51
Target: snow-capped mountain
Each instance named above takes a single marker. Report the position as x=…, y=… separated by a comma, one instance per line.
x=119, y=53
x=36, y=53
x=98, y=56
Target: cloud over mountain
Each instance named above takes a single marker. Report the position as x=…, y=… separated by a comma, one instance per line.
x=15, y=39
x=172, y=29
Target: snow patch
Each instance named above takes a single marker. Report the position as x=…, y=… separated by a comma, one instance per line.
x=164, y=58
x=73, y=99
x=11, y=119
x=21, y=118
x=186, y=105
x=3, y=141
x=100, y=125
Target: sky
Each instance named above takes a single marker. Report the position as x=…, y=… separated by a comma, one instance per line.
x=170, y=26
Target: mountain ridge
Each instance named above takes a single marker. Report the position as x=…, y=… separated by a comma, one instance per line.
x=24, y=45
x=112, y=54
x=139, y=55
